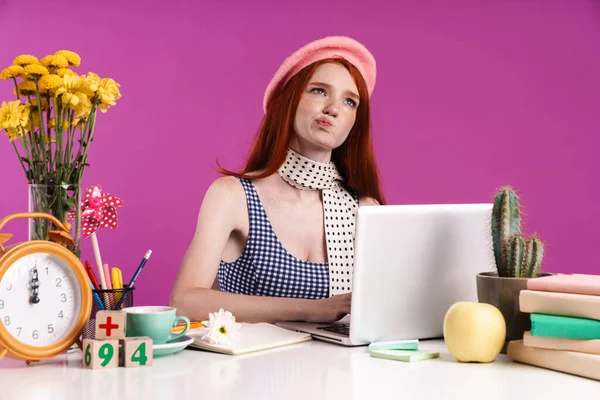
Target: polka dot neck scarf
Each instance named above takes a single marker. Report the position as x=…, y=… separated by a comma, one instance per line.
x=340, y=213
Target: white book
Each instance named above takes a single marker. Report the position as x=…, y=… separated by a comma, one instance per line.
x=253, y=337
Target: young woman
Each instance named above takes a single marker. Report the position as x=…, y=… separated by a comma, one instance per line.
x=274, y=242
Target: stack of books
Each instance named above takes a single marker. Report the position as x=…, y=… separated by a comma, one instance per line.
x=565, y=324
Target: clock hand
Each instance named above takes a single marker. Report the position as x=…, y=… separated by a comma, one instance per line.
x=35, y=284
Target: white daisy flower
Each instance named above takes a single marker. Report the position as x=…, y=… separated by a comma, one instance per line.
x=221, y=328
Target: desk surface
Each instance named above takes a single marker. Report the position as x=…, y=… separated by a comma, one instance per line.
x=302, y=371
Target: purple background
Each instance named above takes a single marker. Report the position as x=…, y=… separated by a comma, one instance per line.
x=470, y=95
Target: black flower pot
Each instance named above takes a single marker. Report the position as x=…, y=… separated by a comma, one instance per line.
x=503, y=293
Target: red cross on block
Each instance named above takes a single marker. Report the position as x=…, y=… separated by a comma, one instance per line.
x=110, y=325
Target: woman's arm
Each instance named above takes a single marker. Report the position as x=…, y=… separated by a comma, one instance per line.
x=222, y=208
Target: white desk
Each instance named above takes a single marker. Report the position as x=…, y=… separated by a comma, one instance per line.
x=303, y=371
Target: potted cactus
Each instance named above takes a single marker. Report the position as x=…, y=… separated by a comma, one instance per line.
x=518, y=258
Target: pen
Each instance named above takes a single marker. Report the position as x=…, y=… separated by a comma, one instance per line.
x=92, y=276
x=135, y=276
x=181, y=327
x=139, y=269
x=97, y=298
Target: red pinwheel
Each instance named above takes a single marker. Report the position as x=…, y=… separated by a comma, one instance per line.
x=98, y=210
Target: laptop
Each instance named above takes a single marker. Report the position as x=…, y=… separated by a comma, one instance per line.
x=412, y=262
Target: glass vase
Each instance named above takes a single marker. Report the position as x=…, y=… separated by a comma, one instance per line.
x=58, y=201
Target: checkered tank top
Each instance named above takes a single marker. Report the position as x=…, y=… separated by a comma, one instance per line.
x=265, y=267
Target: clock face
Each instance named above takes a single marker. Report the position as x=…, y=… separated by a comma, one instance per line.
x=59, y=299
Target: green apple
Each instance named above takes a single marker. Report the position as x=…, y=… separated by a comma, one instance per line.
x=474, y=332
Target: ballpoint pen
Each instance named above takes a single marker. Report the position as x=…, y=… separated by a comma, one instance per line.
x=139, y=269
x=135, y=276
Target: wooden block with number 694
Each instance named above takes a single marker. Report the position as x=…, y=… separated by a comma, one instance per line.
x=100, y=354
x=137, y=351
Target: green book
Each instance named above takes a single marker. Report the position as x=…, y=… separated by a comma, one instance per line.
x=560, y=326
x=404, y=355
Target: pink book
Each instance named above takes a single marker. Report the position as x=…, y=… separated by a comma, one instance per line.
x=567, y=283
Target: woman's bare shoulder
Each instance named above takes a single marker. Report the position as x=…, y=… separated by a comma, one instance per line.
x=223, y=187
x=224, y=196
x=231, y=185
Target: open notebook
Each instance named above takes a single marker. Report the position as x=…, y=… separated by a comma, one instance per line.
x=253, y=337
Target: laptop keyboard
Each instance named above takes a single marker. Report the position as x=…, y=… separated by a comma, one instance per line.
x=343, y=329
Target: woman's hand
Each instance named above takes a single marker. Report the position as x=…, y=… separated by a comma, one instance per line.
x=330, y=309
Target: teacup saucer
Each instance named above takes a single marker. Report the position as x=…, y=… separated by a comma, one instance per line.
x=172, y=347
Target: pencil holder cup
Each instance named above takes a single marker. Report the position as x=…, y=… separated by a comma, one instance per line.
x=113, y=299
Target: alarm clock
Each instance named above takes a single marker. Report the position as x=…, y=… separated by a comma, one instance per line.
x=45, y=294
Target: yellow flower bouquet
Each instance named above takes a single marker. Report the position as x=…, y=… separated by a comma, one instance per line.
x=50, y=125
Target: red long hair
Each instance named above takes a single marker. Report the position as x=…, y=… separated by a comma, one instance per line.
x=355, y=158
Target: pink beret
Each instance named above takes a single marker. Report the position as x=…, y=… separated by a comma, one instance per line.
x=329, y=47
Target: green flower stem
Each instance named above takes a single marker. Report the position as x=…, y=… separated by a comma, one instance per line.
x=48, y=115
x=42, y=127
x=34, y=150
x=18, y=155
x=85, y=138
x=90, y=124
x=58, y=129
x=67, y=135
x=64, y=139
x=16, y=88
x=23, y=140
x=42, y=130
x=70, y=142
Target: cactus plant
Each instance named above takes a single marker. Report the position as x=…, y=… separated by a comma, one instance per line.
x=506, y=221
x=534, y=253
x=515, y=256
